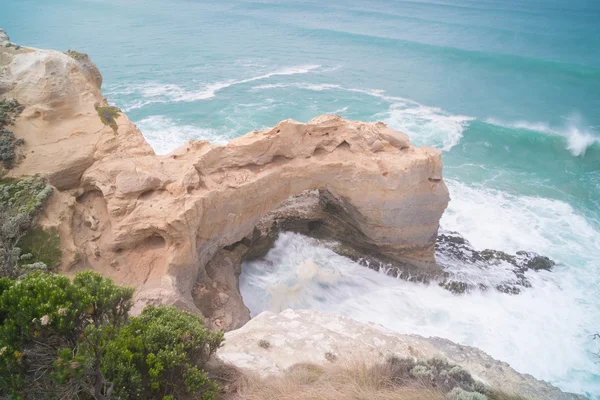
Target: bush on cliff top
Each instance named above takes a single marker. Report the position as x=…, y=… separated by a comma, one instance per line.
x=160, y=355
x=67, y=340
x=77, y=55
x=54, y=332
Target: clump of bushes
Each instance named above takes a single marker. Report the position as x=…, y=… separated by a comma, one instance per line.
x=8, y=145
x=23, y=247
x=9, y=111
x=108, y=115
x=160, y=354
x=41, y=245
x=436, y=372
x=63, y=339
x=77, y=55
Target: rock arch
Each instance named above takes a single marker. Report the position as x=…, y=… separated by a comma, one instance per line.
x=372, y=185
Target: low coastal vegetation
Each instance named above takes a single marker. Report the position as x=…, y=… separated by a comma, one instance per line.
x=108, y=115
x=397, y=379
x=63, y=339
x=9, y=111
x=77, y=55
x=24, y=246
x=75, y=340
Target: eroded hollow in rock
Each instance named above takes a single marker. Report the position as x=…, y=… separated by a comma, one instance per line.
x=315, y=213
x=130, y=262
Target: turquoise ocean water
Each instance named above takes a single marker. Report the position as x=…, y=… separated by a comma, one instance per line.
x=509, y=89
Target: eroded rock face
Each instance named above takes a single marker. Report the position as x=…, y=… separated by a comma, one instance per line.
x=312, y=337
x=175, y=226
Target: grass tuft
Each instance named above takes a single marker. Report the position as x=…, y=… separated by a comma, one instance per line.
x=395, y=379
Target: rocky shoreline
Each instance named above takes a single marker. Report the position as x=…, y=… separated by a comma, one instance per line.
x=178, y=227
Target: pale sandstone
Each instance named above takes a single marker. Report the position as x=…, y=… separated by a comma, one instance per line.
x=157, y=222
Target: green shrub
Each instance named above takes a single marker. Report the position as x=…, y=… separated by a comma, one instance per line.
x=41, y=246
x=9, y=111
x=21, y=201
x=160, y=354
x=54, y=333
x=24, y=196
x=41, y=308
x=7, y=148
x=108, y=115
x=439, y=373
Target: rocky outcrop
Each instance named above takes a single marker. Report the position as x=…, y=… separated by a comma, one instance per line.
x=271, y=343
x=178, y=226
x=452, y=248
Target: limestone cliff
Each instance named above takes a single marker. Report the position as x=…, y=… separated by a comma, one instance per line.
x=178, y=226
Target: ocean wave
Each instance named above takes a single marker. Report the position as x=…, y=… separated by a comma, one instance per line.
x=165, y=135
x=578, y=137
x=425, y=125
x=155, y=92
x=496, y=60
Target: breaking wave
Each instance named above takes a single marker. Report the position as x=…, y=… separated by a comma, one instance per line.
x=579, y=138
x=165, y=135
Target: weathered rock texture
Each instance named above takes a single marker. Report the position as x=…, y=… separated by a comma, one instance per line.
x=311, y=337
x=178, y=226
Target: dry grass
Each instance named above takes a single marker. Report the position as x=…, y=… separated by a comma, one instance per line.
x=355, y=381
x=395, y=379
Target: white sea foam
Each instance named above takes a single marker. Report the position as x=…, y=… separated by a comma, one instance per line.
x=165, y=135
x=543, y=331
x=156, y=92
x=339, y=110
x=579, y=138
x=427, y=125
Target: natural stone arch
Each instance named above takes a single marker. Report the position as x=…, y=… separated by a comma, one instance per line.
x=207, y=198
x=202, y=198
